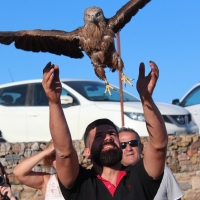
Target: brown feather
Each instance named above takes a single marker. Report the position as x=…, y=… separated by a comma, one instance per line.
x=92, y=37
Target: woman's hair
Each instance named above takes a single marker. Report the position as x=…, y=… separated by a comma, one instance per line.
x=4, y=172
x=47, y=160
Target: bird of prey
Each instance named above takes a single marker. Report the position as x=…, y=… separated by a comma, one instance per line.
x=95, y=37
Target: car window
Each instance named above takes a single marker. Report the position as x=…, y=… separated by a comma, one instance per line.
x=14, y=95
x=40, y=98
x=192, y=98
x=94, y=91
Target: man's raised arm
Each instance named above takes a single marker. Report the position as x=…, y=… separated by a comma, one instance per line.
x=155, y=152
x=66, y=157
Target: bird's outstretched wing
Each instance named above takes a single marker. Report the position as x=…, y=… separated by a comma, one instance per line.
x=124, y=14
x=52, y=41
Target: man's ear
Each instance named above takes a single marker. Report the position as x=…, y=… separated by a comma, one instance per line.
x=87, y=153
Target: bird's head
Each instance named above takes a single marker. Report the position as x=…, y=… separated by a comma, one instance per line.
x=93, y=15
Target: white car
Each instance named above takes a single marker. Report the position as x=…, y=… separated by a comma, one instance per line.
x=24, y=111
x=191, y=102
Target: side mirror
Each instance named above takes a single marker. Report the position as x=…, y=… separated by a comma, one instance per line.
x=176, y=102
x=65, y=100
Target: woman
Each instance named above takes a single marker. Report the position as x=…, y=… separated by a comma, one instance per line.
x=5, y=187
x=43, y=181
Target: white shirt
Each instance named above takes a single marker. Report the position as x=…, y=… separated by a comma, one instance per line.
x=53, y=190
x=169, y=188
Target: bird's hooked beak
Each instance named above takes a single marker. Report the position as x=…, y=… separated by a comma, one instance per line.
x=94, y=21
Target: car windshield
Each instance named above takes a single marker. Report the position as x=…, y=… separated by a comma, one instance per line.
x=94, y=91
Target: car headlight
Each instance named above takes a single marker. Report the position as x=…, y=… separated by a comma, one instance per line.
x=135, y=116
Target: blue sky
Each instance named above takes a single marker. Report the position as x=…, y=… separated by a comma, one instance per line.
x=165, y=31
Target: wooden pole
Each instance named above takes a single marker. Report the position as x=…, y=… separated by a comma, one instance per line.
x=120, y=82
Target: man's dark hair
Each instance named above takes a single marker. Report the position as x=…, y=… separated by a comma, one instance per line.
x=128, y=130
x=96, y=123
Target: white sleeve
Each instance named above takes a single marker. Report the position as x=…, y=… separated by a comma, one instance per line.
x=169, y=188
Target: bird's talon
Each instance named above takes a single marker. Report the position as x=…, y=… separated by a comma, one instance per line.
x=126, y=79
x=108, y=88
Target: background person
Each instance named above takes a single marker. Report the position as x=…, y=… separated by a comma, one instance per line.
x=107, y=180
x=132, y=149
x=5, y=187
x=46, y=182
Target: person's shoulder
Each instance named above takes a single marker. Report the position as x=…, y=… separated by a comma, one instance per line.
x=169, y=176
x=87, y=172
x=167, y=170
x=136, y=167
x=46, y=178
x=139, y=164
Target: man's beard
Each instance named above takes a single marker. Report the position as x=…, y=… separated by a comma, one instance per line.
x=108, y=157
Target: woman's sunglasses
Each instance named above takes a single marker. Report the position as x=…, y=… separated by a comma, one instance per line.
x=132, y=143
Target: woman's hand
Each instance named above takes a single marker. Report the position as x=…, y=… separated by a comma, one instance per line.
x=50, y=149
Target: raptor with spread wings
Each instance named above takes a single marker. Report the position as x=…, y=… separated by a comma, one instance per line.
x=96, y=38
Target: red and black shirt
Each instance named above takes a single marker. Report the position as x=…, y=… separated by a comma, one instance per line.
x=133, y=184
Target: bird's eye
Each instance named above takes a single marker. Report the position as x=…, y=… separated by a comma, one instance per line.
x=88, y=16
x=98, y=14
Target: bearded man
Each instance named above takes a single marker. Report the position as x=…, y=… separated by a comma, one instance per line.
x=108, y=179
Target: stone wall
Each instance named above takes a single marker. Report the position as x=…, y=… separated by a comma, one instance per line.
x=190, y=184
x=183, y=158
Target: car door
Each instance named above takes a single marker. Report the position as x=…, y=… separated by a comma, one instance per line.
x=72, y=114
x=192, y=103
x=13, y=113
x=38, y=115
